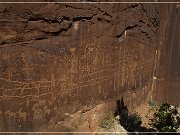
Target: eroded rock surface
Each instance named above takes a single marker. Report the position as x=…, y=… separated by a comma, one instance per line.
x=58, y=59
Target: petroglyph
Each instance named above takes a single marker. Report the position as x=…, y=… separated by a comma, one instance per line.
x=10, y=114
x=38, y=115
x=75, y=61
x=22, y=115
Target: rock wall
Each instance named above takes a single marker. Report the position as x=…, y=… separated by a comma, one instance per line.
x=168, y=66
x=57, y=59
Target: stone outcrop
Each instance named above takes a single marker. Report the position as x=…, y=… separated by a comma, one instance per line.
x=58, y=59
x=168, y=71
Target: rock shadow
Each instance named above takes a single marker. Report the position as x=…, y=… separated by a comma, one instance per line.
x=130, y=122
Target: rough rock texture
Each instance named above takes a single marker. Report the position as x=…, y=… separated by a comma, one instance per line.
x=58, y=59
x=167, y=86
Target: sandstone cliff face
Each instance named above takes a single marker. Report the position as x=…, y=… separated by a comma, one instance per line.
x=168, y=68
x=57, y=59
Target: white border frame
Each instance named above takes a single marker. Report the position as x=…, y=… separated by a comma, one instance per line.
x=87, y=2
x=88, y=132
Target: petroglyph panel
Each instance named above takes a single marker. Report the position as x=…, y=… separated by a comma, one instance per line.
x=82, y=76
x=70, y=62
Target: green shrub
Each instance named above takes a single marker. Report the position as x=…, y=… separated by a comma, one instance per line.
x=152, y=104
x=166, y=118
x=108, y=122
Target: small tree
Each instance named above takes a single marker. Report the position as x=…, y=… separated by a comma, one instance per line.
x=166, y=118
